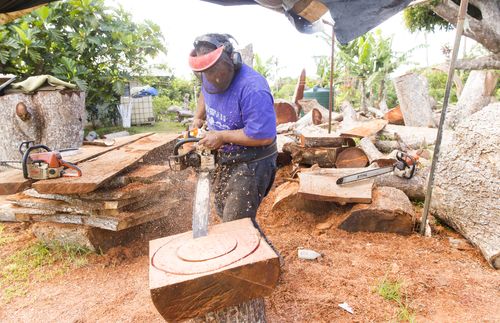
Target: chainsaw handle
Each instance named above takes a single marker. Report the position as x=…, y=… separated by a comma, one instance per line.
x=406, y=161
x=182, y=142
x=77, y=172
x=26, y=154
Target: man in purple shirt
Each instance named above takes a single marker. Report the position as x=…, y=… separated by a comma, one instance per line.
x=238, y=108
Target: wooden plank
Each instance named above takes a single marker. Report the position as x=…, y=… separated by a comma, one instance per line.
x=147, y=173
x=129, y=191
x=325, y=140
x=365, y=128
x=321, y=185
x=233, y=265
x=98, y=171
x=12, y=180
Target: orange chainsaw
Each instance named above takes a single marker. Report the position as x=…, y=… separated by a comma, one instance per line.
x=39, y=162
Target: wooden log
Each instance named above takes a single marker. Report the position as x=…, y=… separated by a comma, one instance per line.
x=414, y=137
x=466, y=188
x=325, y=140
x=390, y=211
x=349, y=116
x=310, y=104
x=233, y=265
x=414, y=100
x=298, y=93
x=378, y=113
x=351, y=157
x=321, y=185
x=414, y=188
x=364, y=129
x=101, y=169
x=395, y=116
x=477, y=93
x=323, y=156
x=370, y=150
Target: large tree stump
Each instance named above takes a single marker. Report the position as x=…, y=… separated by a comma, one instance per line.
x=390, y=211
x=52, y=118
x=414, y=100
x=467, y=184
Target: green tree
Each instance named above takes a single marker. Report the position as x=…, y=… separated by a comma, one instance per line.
x=97, y=47
x=367, y=61
x=423, y=18
x=267, y=68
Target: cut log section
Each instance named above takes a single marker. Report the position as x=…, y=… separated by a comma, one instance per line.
x=320, y=184
x=414, y=100
x=351, y=157
x=390, y=211
x=325, y=140
x=285, y=112
x=98, y=171
x=414, y=187
x=324, y=157
x=190, y=277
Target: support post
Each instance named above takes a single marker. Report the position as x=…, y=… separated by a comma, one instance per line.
x=449, y=81
x=331, y=97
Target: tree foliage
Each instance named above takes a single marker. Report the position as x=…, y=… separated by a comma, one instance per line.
x=97, y=47
x=367, y=62
x=423, y=18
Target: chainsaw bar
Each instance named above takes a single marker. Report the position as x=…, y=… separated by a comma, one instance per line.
x=366, y=174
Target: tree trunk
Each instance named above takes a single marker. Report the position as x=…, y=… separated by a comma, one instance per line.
x=414, y=100
x=466, y=187
x=52, y=118
x=483, y=26
x=370, y=150
x=253, y=311
x=362, y=85
x=476, y=94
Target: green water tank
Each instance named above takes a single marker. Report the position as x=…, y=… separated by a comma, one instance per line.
x=322, y=95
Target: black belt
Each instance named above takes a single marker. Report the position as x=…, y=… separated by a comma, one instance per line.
x=247, y=154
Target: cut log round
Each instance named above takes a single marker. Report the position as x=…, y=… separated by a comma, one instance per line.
x=285, y=112
x=394, y=116
x=352, y=157
x=414, y=100
x=390, y=211
x=466, y=187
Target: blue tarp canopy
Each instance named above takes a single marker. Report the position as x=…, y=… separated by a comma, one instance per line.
x=353, y=18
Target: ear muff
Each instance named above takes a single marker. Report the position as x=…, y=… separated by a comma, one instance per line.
x=237, y=60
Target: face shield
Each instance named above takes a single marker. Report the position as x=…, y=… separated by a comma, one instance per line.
x=213, y=69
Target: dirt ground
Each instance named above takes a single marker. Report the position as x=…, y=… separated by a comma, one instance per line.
x=440, y=281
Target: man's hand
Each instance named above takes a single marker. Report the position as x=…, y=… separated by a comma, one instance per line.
x=212, y=140
x=197, y=123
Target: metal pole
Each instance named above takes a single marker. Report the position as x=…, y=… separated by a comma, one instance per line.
x=449, y=81
x=331, y=97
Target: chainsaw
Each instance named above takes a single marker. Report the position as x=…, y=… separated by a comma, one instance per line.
x=203, y=160
x=40, y=162
x=404, y=167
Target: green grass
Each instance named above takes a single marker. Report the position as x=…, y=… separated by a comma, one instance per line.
x=37, y=262
x=391, y=290
x=162, y=126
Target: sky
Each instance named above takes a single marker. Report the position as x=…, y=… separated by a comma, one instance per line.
x=270, y=33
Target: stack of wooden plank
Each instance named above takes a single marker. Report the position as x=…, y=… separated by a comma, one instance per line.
x=123, y=186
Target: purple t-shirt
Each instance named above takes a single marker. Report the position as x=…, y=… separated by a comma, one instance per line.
x=247, y=104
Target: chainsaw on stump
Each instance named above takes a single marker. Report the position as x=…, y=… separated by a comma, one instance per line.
x=404, y=167
x=40, y=162
x=203, y=160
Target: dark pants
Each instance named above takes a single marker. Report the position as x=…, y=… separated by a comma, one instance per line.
x=239, y=188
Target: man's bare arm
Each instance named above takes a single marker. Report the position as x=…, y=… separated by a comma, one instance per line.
x=215, y=139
